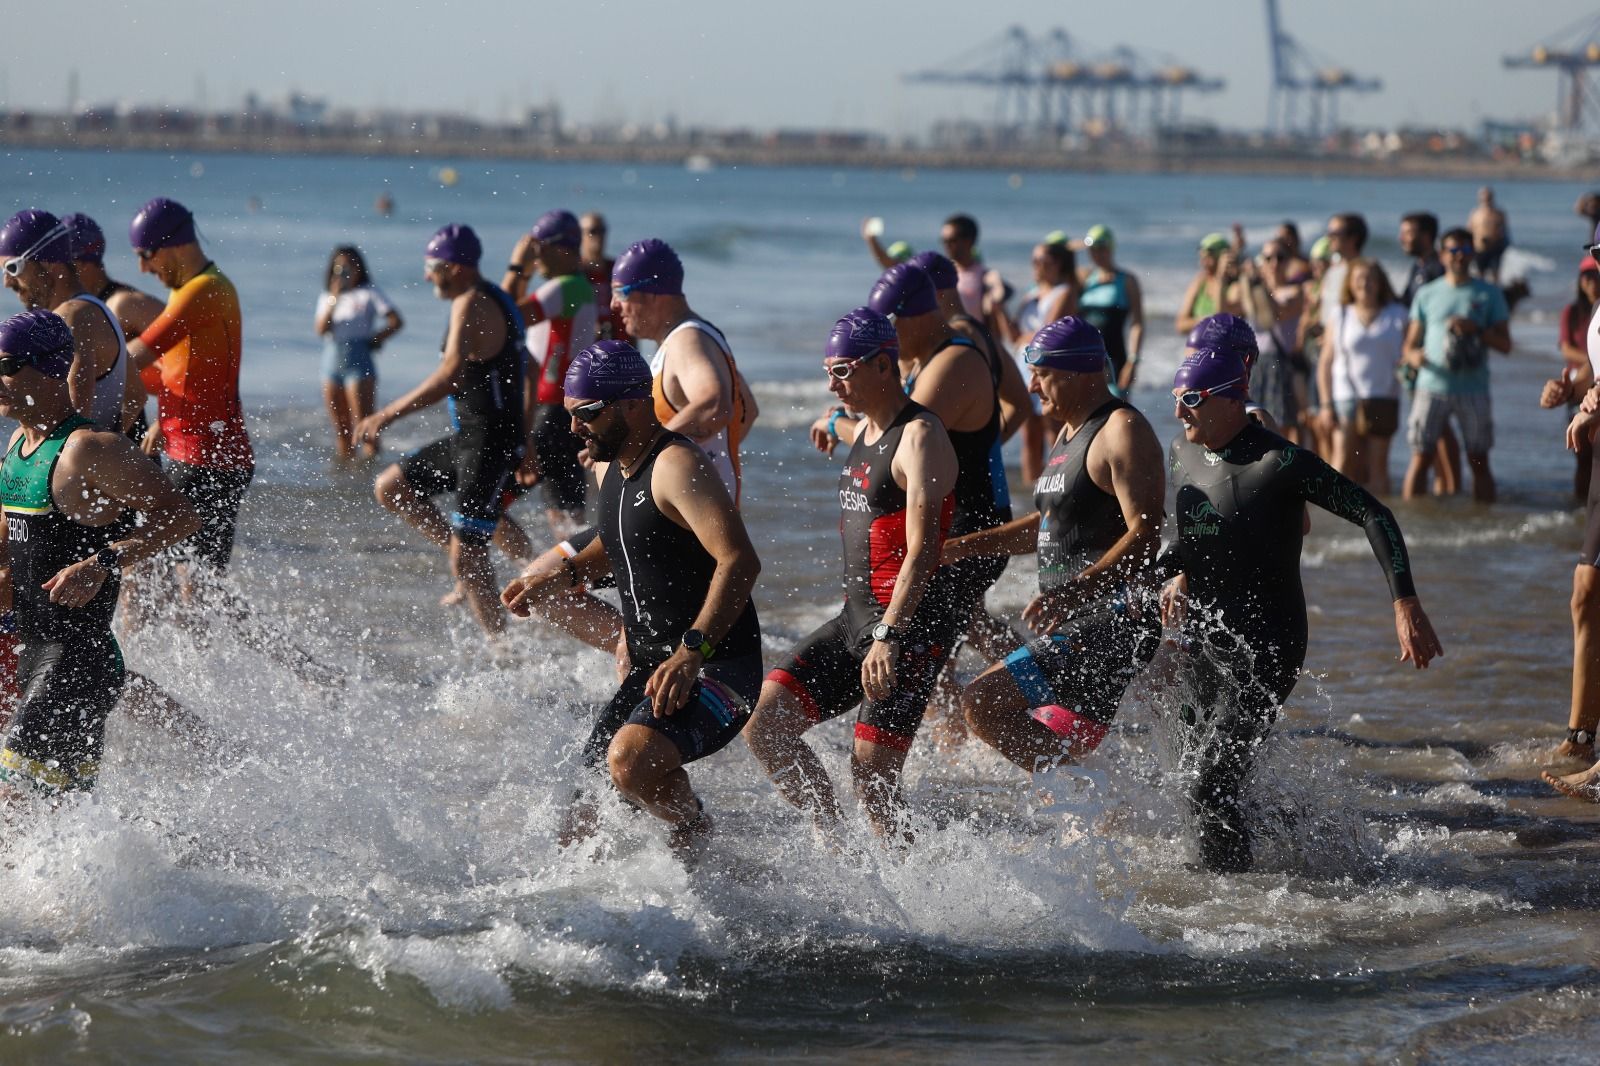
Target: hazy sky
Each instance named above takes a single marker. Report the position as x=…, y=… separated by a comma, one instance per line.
x=727, y=62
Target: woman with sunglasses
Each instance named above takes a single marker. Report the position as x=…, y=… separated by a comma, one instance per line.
x=1240, y=498
x=1356, y=375
x=354, y=319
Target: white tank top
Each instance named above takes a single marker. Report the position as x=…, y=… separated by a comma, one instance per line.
x=719, y=447
x=109, y=388
x=1593, y=339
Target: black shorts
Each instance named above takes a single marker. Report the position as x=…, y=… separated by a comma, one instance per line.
x=824, y=672
x=565, y=482
x=719, y=706
x=1086, y=666
x=59, y=730
x=480, y=470
x=216, y=495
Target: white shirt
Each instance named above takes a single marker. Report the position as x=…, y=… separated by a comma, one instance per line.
x=1593, y=337
x=357, y=313
x=1365, y=356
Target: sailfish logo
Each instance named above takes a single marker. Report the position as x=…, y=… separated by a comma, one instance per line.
x=1204, y=520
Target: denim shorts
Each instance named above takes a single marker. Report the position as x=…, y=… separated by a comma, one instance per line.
x=344, y=362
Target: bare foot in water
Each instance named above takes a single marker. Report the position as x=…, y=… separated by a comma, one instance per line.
x=1583, y=785
x=456, y=596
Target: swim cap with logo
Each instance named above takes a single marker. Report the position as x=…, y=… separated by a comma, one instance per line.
x=557, y=227
x=861, y=333
x=1100, y=237
x=38, y=235
x=608, y=370
x=39, y=338
x=1214, y=244
x=1223, y=332
x=904, y=290
x=1068, y=343
x=161, y=223
x=649, y=265
x=455, y=243
x=1221, y=372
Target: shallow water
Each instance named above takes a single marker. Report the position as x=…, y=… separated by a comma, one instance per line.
x=369, y=872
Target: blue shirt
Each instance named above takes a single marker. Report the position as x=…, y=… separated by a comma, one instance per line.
x=1435, y=304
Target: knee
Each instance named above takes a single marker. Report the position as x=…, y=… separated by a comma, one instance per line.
x=773, y=723
x=467, y=557
x=1585, y=594
x=389, y=487
x=626, y=769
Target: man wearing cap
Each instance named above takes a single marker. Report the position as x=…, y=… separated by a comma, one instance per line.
x=1455, y=321
x=133, y=308
x=1112, y=303
x=685, y=568
x=885, y=649
x=482, y=366
x=1215, y=287
x=1240, y=497
x=561, y=316
x=36, y=250
x=189, y=357
x=70, y=492
x=1097, y=531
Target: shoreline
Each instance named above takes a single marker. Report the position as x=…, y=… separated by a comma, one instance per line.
x=457, y=150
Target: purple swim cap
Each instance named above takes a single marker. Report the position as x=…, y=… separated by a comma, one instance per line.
x=608, y=370
x=1068, y=343
x=1226, y=333
x=455, y=243
x=161, y=223
x=861, y=333
x=88, y=242
x=557, y=227
x=941, y=270
x=904, y=290
x=39, y=235
x=1596, y=239
x=1221, y=372
x=39, y=338
x=648, y=266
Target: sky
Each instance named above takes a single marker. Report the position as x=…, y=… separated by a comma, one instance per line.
x=834, y=63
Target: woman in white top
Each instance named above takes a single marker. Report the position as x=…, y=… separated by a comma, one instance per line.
x=1054, y=296
x=354, y=319
x=1356, y=375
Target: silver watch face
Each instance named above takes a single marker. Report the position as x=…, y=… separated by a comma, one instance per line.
x=881, y=631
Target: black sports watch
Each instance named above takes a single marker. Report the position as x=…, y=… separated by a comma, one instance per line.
x=109, y=559
x=1581, y=736
x=695, y=640
x=885, y=632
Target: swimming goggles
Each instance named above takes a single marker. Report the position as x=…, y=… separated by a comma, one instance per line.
x=588, y=412
x=433, y=266
x=13, y=266
x=842, y=371
x=1193, y=398
x=12, y=365
x=625, y=291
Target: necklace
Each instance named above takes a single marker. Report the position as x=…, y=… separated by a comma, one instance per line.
x=629, y=465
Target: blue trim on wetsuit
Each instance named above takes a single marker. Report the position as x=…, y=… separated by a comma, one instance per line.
x=1030, y=680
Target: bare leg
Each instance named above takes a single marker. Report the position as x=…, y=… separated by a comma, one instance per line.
x=396, y=494
x=333, y=395
x=1378, y=482
x=360, y=395
x=647, y=768
x=1585, y=711
x=1342, y=456
x=1448, y=479
x=149, y=704
x=510, y=538
x=1483, y=489
x=775, y=735
x=997, y=714
x=876, y=771
x=1585, y=468
x=471, y=566
x=1416, y=483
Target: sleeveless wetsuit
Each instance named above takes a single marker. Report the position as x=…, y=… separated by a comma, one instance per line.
x=723, y=447
x=663, y=574
x=1080, y=672
x=1105, y=306
x=1240, y=513
x=106, y=407
x=70, y=667
x=824, y=670
x=479, y=461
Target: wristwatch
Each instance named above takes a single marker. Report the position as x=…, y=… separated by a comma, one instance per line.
x=1581, y=736
x=695, y=640
x=109, y=559
x=885, y=632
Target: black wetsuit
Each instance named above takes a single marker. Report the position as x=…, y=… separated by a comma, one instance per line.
x=69, y=665
x=663, y=574
x=1086, y=665
x=1240, y=518
x=478, y=462
x=982, y=497
x=824, y=670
